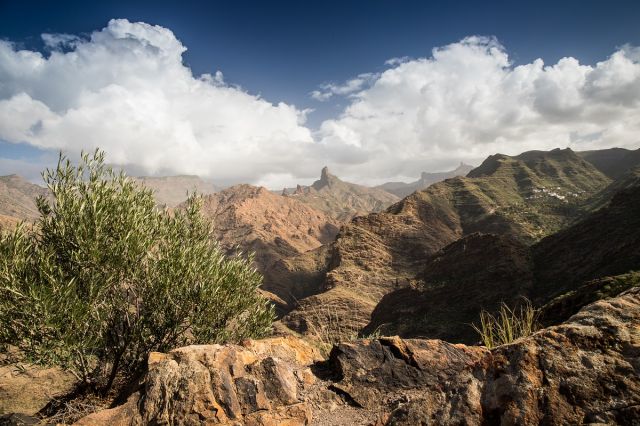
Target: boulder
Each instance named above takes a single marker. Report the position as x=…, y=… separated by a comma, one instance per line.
x=585, y=371
x=256, y=383
x=27, y=389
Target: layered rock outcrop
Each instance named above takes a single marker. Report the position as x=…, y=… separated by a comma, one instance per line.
x=586, y=370
x=257, y=383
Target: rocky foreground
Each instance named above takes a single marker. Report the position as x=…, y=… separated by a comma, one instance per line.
x=586, y=370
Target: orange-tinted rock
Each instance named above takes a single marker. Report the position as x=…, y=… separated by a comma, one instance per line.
x=254, y=384
x=583, y=371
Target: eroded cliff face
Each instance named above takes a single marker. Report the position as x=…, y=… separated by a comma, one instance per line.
x=586, y=370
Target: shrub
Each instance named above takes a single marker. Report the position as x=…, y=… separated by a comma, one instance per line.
x=507, y=325
x=104, y=277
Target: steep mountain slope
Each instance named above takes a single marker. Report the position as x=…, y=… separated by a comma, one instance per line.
x=528, y=197
x=568, y=269
x=254, y=219
x=613, y=162
x=170, y=191
x=402, y=189
x=8, y=222
x=17, y=198
x=628, y=179
x=606, y=243
x=342, y=200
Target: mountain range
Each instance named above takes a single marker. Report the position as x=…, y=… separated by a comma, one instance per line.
x=340, y=250
x=522, y=198
x=582, y=263
x=17, y=199
x=341, y=200
x=169, y=191
x=402, y=189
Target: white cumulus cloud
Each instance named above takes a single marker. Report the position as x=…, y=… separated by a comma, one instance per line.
x=468, y=100
x=126, y=90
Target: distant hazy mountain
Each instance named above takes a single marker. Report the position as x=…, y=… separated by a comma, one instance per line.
x=172, y=190
x=341, y=200
x=402, y=189
x=17, y=199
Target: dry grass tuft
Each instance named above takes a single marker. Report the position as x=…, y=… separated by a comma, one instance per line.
x=507, y=325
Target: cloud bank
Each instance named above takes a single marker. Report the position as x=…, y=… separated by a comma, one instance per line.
x=468, y=101
x=126, y=89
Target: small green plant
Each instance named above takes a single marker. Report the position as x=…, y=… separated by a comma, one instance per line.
x=104, y=277
x=507, y=325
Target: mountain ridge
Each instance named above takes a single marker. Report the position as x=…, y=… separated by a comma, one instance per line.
x=341, y=200
x=526, y=197
x=452, y=290
x=402, y=189
x=170, y=191
x=18, y=199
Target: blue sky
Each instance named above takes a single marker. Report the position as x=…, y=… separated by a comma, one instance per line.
x=282, y=51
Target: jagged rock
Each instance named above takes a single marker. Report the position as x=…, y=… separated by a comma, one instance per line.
x=584, y=371
x=389, y=371
x=27, y=389
x=254, y=384
x=339, y=199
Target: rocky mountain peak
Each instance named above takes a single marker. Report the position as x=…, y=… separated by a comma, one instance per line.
x=324, y=174
x=326, y=179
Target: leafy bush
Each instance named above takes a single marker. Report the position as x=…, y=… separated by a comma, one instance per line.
x=104, y=277
x=507, y=325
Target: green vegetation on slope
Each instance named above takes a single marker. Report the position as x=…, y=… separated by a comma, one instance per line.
x=538, y=192
x=104, y=278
